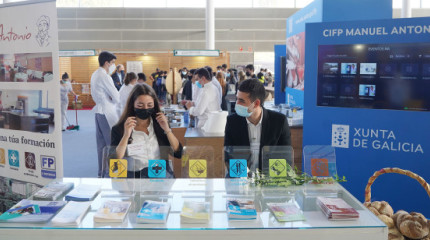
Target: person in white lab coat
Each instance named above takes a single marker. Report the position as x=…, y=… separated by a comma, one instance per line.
x=129, y=82
x=207, y=101
x=106, y=97
x=65, y=89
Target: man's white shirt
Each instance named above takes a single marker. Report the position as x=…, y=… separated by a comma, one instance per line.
x=105, y=95
x=206, y=102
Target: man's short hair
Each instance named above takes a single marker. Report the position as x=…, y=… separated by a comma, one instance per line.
x=218, y=67
x=209, y=69
x=193, y=71
x=203, y=72
x=141, y=76
x=224, y=66
x=105, y=56
x=250, y=67
x=255, y=89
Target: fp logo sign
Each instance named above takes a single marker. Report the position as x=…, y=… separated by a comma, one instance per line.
x=48, y=167
x=340, y=136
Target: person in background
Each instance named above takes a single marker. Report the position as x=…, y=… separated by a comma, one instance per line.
x=221, y=79
x=218, y=69
x=254, y=126
x=216, y=84
x=187, y=92
x=260, y=76
x=184, y=74
x=129, y=82
x=106, y=97
x=241, y=77
x=269, y=79
x=230, y=80
x=207, y=99
x=249, y=70
x=224, y=68
x=141, y=78
x=65, y=89
x=144, y=125
x=118, y=76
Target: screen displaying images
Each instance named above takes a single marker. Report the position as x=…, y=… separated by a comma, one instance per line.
x=368, y=68
x=378, y=76
x=349, y=68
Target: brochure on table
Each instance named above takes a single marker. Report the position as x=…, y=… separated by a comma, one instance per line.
x=371, y=102
x=30, y=121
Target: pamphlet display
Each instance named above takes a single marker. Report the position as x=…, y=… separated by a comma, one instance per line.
x=71, y=214
x=195, y=212
x=30, y=139
x=337, y=209
x=241, y=209
x=53, y=191
x=153, y=212
x=83, y=192
x=371, y=103
x=286, y=212
x=112, y=211
x=32, y=211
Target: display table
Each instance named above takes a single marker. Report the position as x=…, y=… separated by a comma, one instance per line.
x=215, y=191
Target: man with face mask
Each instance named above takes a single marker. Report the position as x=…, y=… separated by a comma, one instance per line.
x=206, y=100
x=254, y=126
x=249, y=71
x=118, y=76
x=106, y=97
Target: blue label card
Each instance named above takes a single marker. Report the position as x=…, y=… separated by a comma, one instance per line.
x=157, y=168
x=238, y=168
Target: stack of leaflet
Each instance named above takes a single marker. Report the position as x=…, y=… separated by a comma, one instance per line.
x=286, y=212
x=153, y=212
x=83, y=193
x=195, y=212
x=53, y=191
x=71, y=214
x=240, y=209
x=112, y=211
x=32, y=211
x=336, y=209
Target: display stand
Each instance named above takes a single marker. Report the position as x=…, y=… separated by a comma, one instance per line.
x=198, y=162
x=277, y=161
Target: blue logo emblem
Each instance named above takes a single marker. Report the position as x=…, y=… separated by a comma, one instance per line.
x=13, y=158
x=238, y=168
x=157, y=168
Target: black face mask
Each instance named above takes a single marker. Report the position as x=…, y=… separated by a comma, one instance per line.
x=248, y=74
x=144, y=113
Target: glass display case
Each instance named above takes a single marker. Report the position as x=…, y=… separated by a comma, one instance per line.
x=216, y=192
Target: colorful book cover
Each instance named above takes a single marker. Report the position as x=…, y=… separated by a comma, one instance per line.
x=32, y=211
x=241, y=209
x=52, y=191
x=153, y=212
x=112, y=211
x=195, y=212
x=286, y=212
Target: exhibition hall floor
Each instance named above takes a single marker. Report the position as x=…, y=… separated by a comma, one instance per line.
x=79, y=147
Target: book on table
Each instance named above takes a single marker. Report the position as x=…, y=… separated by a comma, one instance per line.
x=53, y=191
x=32, y=211
x=336, y=209
x=112, y=211
x=83, y=192
x=72, y=214
x=286, y=212
x=195, y=212
x=153, y=212
x=241, y=209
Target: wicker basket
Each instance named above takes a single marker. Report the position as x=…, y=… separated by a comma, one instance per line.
x=367, y=193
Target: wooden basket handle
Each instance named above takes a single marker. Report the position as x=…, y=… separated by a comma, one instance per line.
x=367, y=194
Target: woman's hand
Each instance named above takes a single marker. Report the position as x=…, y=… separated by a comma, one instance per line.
x=162, y=120
x=129, y=126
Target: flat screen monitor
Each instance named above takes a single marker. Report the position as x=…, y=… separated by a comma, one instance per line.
x=377, y=76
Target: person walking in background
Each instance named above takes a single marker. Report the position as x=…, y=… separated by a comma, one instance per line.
x=129, y=82
x=249, y=70
x=224, y=86
x=106, y=97
x=141, y=78
x=144, y=125
x=118, y=76
x=241, y=77
x=65, y=89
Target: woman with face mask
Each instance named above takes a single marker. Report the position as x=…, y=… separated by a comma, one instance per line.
x=143, y=128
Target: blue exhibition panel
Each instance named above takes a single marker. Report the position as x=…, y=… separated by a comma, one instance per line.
x=367, y=94
x=321, y=11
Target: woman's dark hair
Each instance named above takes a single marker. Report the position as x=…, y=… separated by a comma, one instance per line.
x=65, y=76
x=138, y=90
x=129, y=77
x=105, y=56
x=255, y=89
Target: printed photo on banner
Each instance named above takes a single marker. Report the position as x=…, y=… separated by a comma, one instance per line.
x=26, y=67
x=29, y=110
